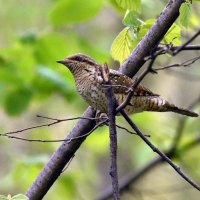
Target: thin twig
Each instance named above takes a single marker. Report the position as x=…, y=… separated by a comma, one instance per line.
x=170, y=47
x=125, y=182
x=56, y=121
x=55, y=165
x=135, y=84
x=155, y=34
x=129, y=178
x=133, y=133
x=53, y=169
x=155, y=149
x=112, y=104
x=186, y=63
x=186, y=43
x=133, y=176
x=61, y=140
x=67, y=165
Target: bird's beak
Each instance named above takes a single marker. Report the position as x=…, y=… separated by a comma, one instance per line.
x=61, y=61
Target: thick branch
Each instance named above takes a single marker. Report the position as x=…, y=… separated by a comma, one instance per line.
x=152, y=38
x=62, y=156
x=126, y=181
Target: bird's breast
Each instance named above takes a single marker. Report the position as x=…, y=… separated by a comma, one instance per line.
x=92, y=92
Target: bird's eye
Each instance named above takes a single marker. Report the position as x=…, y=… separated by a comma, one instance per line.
x=78, y=58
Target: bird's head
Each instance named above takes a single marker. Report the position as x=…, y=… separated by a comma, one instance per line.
x=78, y=62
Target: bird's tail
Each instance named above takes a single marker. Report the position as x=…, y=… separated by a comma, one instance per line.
x=161, y=105
x=182, y=111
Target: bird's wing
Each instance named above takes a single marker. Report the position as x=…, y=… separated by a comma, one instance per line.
x=121, y=83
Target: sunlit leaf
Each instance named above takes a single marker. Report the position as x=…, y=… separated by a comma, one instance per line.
x=122, y=45
x=69, y=12
x=185, y=12
x=130, y=19
x=116, y=6
x=173, y=35
x=19, y=197
x=194, y=20
x=130, y=4
x=144, y=28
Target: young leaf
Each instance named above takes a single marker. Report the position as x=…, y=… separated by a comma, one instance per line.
x=145, y=27
x=130, y=19
x=173, y=35
x=130, y=4
x=19, y=197
x=185, y=12
x=122, y=45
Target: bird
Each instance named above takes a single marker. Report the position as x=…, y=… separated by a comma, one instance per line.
x=90, y=85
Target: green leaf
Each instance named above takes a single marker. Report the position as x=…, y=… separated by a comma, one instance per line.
x=19, y=197
x=70, y=12
x=145, y=27
x=116, y=6
x=185, y=12
x=16, y=197
x=194, y=20
x=17, y=100
x=130, y=19
x=173, y=35
x=122, y=45
x=130, y=4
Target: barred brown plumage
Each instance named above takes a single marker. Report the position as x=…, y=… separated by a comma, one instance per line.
x=89, y=83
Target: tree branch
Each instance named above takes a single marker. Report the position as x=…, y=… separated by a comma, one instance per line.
x=162, y=155
x=132, y=177
x=61, y=157
x=174, y=48
x=112, y=104
x=124, y=183
x=168, y=16
x=186, y=43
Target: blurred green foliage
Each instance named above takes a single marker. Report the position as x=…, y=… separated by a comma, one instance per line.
x=16, y=197
x=34, y=35
x=65, y=12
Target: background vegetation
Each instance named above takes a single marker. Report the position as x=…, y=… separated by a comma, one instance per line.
x=33, y=36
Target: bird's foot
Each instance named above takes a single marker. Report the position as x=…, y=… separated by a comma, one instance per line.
x=101, y=118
